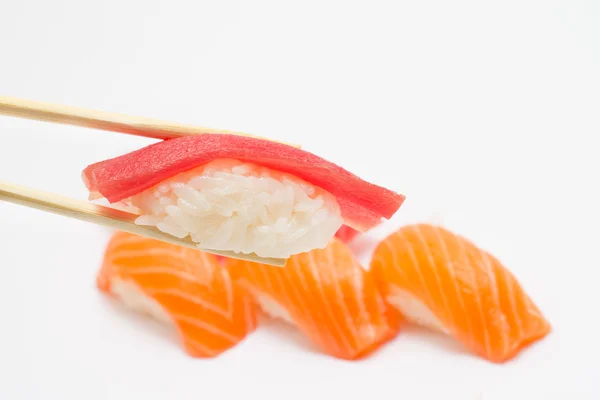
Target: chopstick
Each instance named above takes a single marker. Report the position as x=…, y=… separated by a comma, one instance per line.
x=114, y=122
x=107, y=121
x=106, y=216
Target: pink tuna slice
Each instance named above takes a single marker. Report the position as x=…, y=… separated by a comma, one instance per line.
x=362, y=204
x=346, y=233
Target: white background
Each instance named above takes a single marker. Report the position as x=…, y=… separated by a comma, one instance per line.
x=483, y=113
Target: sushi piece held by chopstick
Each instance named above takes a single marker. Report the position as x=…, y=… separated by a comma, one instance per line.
x=240, y=194
x=445, y=282
x=181, y=287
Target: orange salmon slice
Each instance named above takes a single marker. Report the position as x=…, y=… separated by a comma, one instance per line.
x=327, y=295
x=443, y=281
x=179, y=286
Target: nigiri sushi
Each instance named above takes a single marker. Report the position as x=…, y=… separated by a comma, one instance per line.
x=445, y=282
x=240, y=194
x=327, y=294
x=179, y=286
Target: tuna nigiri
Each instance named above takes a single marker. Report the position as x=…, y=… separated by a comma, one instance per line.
x=241, y=194
x=445, y=282
x=179, y=286
x=327, y=294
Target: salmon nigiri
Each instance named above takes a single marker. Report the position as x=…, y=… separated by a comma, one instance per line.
x=445, y=282
x=327, y=294
x=180, y=286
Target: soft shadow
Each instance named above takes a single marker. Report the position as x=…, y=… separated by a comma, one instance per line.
x=440, y=340
x=287, y=333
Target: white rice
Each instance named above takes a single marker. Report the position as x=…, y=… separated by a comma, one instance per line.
x=414, y=310
x=137, y=301
x=273, y=309
x=241, y=207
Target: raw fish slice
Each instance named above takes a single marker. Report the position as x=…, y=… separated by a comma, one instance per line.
x=328, y=295
x=443, y=281
x=362, y=204
x=180, y=286
x=346, y=233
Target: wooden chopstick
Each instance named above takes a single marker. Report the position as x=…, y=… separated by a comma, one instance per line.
x=106, y=216
x=103, y=120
